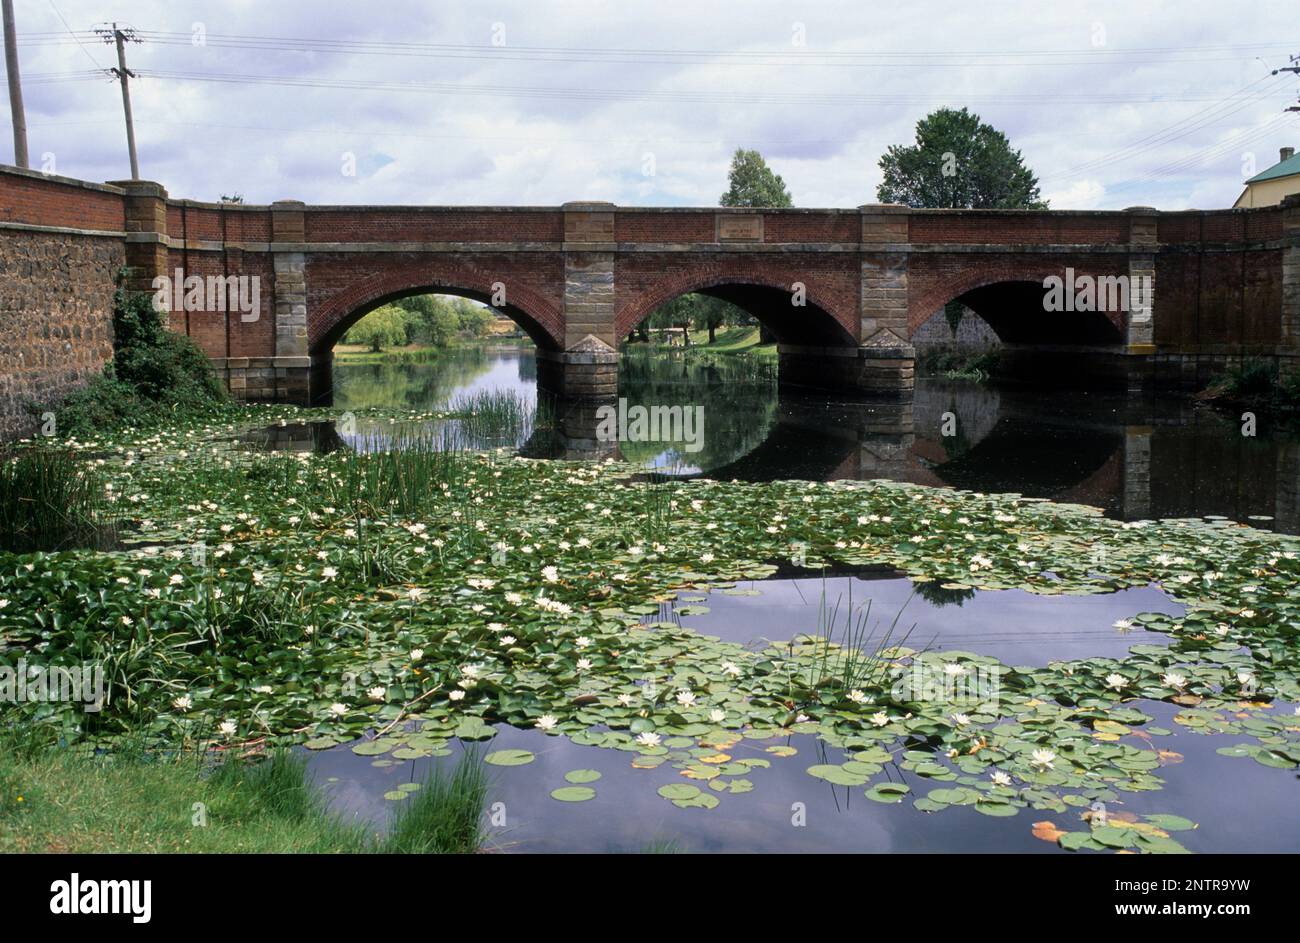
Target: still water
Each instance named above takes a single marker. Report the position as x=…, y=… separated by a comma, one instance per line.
x=1135, y=457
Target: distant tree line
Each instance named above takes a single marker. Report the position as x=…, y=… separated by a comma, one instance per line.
x=437, y=320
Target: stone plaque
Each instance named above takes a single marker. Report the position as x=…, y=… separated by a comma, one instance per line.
x=740, y=228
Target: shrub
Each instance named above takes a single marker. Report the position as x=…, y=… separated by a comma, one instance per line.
x=155, y=374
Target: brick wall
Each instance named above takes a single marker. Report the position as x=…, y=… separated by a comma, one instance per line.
x=56, y=303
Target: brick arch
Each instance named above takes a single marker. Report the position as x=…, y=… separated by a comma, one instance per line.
x=936, y=291
x=332, y=315
x=639, y=307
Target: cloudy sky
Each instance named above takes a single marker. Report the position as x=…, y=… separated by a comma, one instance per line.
x=543, y=101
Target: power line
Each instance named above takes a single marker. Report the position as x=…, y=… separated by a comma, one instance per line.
x=653, y=95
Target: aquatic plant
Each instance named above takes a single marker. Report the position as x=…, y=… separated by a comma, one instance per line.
x=50, y=499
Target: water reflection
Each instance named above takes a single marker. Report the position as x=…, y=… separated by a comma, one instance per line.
x=1134, y=457
x=1016, y=627
x=628, y=816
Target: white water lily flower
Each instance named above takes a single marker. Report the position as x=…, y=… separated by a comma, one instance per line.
x=228, y=728
x=338, y=710
x=686, y=698
x=176, y=579
x=376, y=693
x=1116, y=681
x=263, y=689
x=953, y=670
x=182, y=703
x=1000, y=778
x=550, y=574
x=1043, y=758
x=328, y=573
x=582, y=641
x=584, y=664
x=508, y=640
x=880, y=718
x=717, y=715
x=625, y=700
x=417, y=654
x=706, y=558
x=648, y=739
x=731, y=668
x=961, y=720
x=495, y=627
x=856, y=696
x=1173, y=680
x=456, y=695
x=546, y=722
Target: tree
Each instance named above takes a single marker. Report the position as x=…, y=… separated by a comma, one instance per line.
x=386, y=326
x=753, y=183
x=958, y=161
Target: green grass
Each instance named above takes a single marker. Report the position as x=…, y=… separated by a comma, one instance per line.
x=49, y=500
x=444, y=816
x=65, y=800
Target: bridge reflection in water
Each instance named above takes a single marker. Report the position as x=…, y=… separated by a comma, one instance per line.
x=1134, y=457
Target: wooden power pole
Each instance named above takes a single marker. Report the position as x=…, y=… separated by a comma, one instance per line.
x=120, y=38
x=17, y=116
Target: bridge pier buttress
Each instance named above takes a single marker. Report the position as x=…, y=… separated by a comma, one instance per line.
x=1139, y=328
x=582, y=377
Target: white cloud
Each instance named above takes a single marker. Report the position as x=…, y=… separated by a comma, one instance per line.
x=1074, y=109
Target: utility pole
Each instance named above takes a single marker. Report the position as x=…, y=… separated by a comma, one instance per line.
x=17, y=116
x=120, y=38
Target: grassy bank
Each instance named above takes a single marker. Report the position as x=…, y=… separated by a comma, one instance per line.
x=64, y=800
x=730, y=340
x=1255, y=384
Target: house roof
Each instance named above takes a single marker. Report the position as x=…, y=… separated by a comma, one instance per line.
x=1286, y=168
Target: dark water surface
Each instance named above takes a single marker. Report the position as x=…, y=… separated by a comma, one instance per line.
x=1133, y=456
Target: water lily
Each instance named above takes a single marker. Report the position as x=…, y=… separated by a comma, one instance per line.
x=337, y=709
x=1000, y=778
x=686, y=698
x=1043, y=759
x=328, y=573
x=648, y=739
x=546, y=722
x=417, y=654
x=227, y=728
x=717, y=715
x=1173, y=680
x=731, y=668
x=625, y=699
x=508, y=640
x=456, y=695
x=856, y=696
x=182, y=703
x=1116, y=681
x=584, y=664
x=550, y=574
x=961, y=720
x=376, y=693
x=880, y=719
x=1122, y=624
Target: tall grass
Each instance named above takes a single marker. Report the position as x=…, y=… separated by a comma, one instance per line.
x=49, y=500
x=445, y=815
x=852, y=655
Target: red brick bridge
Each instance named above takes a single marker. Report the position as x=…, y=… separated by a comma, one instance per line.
x=843, y=290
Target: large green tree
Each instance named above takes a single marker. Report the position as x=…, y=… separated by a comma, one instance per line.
x=958, y=161
x=752, y=183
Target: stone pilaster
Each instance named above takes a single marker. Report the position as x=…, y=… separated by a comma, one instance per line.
x=289, y=377
x=589, y=273
x=1140, y=324
x=884, y=275
x=146, y=233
